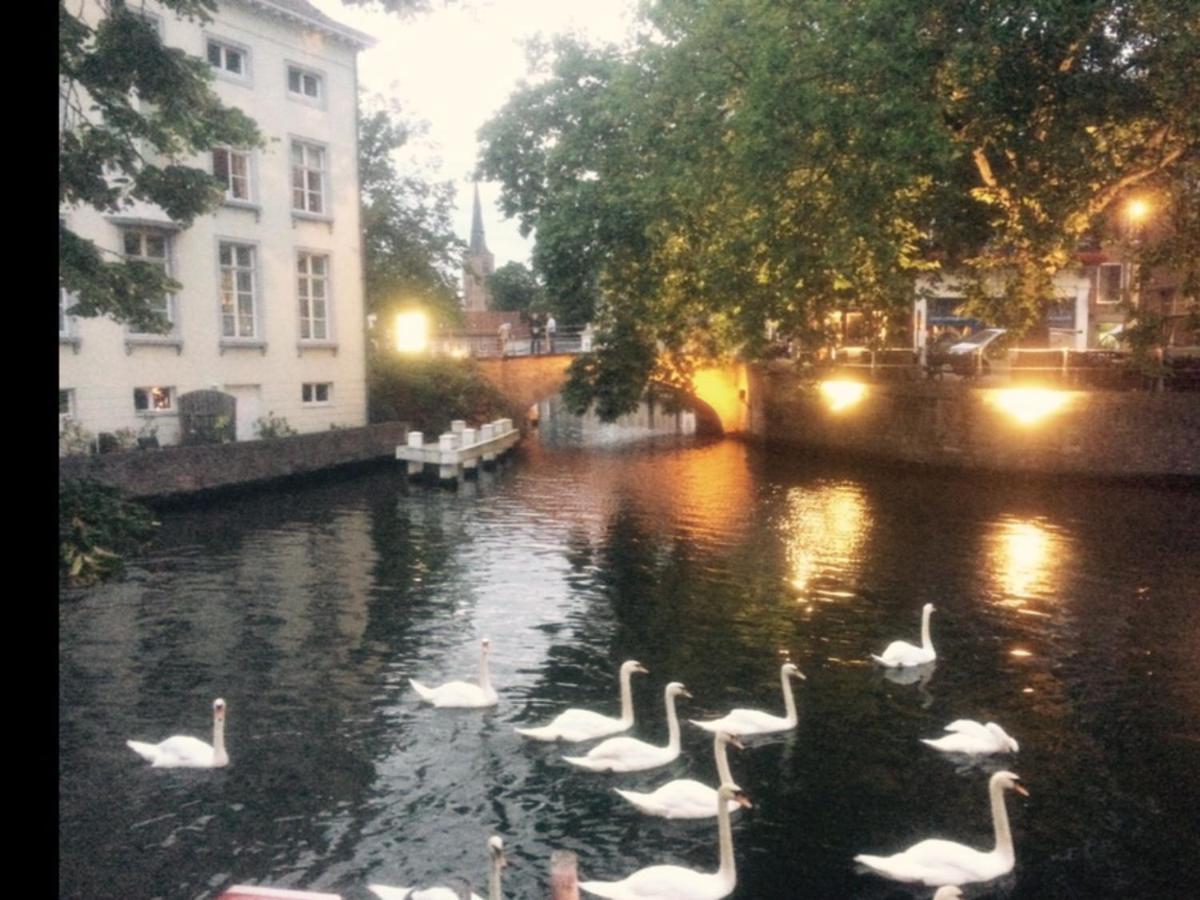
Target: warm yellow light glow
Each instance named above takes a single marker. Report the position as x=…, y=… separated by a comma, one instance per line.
x=1022, y=558
x=412, y=332
x=823, y=533
x=842, y=394
x=1028, y=405
x=1137, y=210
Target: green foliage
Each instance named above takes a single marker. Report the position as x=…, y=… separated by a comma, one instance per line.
x=273, y=426
x=516, y=288
x=75, y=440
x=411, y=254
x=97, y=527
x=131, y=112
x=752, y=163
x=429, y=393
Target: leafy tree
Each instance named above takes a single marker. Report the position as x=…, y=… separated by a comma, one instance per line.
x=515, y=287
x=132, y=112
x=755, y=162
x=410, y=250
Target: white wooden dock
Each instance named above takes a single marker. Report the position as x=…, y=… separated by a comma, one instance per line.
x=460, y=450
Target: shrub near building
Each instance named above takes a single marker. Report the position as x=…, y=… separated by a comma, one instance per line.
x=430, y=393
x=97, y=528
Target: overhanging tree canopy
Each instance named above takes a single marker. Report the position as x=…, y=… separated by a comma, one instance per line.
x=757, y=160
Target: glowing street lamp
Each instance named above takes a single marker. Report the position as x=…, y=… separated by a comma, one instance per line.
x=412, y=331
x=1028, y=405
x=842, y=395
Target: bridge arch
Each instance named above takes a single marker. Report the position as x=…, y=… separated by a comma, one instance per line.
x=722, y=393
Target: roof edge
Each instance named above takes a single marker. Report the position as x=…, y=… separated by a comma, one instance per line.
x=358, y=39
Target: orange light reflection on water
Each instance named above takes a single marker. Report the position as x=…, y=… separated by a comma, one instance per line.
x=1021, y=556
x=824, y=532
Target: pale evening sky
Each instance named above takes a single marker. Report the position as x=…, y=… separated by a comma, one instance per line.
x=455, y=67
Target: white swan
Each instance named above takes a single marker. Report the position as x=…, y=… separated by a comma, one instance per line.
x=182, y=751
x=686, y=798
x=462, y=693
x=626, y=754
x=676, y=882
x=582, y=724
x=902, y=653
x=936, y=862
x=495, y=852
x=968, y=736
x=745, y=722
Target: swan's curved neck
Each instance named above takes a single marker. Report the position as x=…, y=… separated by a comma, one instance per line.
x=626, y=698
x=726, y=872
x=494, y=880
x=721, y=750
x=1004, y=841
x=789, y=700
x=220, y=757
x=485, y=680
x=926, y=643
x=672, y=724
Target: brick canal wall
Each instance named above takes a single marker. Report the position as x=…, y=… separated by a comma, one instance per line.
x=1097, y=433
x=173, y=471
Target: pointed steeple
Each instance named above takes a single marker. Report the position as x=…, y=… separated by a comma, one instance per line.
x=478, y=265
x=478, y=243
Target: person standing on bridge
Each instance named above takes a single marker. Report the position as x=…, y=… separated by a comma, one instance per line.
x=551, y=327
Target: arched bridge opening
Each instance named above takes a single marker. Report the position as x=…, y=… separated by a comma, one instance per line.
x=720, y=397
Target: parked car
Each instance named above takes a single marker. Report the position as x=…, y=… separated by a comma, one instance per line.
x=968, y=356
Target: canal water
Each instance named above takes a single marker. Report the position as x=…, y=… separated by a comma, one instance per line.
x=1065, y=612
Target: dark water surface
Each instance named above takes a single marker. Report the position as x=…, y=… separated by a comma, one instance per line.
x=1068, y=613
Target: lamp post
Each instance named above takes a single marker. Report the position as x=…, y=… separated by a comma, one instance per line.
x=1136, y=210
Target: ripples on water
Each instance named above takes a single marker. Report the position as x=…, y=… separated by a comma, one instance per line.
x=1068, y=614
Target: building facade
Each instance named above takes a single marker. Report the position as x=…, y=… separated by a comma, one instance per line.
x=271, y=306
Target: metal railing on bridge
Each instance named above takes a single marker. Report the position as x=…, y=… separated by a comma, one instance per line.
x=463, y=344
x=1173, y=369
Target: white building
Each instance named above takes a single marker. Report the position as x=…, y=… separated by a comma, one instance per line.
x=271, y=309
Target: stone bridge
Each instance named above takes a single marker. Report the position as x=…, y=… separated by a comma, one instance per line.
x=721, y=396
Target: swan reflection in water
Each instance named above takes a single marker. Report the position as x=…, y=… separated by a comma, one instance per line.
x=918, y=675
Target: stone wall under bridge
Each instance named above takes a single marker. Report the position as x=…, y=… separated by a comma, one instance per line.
x=1094, y=433
x=721, y=393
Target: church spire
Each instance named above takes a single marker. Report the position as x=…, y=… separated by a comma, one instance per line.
x=478, y=243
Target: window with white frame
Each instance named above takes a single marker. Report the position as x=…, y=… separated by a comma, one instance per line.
x=312, y=287
x=149, y=245
x=316, y=392
x=1109, y=283
x=304, y=83
x=228, y=59
x=232, y=168
x=64, y=317
x=153, y=399
x=239, y=317
x=308, y=177
x=66, y=405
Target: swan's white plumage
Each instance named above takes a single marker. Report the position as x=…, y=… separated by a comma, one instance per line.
x=574, y=725
x=902, y=653
x=626, y=754
x=743, y=722
x=462, y=694
x=496, y=854
x=686, y=798
x=182, y=751
x=402, y=893
x=936, y=862
x=675, y=882
x=967, y=736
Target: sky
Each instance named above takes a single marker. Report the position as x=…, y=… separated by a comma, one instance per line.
x=454, y=68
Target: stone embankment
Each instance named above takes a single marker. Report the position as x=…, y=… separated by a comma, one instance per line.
x=958, y=424
x=170, y=472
